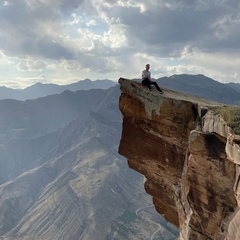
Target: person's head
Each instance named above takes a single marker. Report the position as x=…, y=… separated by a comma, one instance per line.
x=147, y=66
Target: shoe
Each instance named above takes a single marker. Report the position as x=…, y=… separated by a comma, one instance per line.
x=161, y=92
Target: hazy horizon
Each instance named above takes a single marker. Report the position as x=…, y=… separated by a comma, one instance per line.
x=93, y=80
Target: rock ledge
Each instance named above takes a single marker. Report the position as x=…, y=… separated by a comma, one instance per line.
x=189, y=157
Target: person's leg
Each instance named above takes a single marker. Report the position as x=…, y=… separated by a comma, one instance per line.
x=157, y=87
x=147, y=83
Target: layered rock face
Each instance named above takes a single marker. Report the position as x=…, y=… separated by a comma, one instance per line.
x=189, y=157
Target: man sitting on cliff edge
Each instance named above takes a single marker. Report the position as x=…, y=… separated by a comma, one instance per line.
x=146, y=79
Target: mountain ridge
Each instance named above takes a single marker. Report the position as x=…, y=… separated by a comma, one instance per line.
x=44, y=89
x=198, y=85
x=201, y=86
x=73, y=178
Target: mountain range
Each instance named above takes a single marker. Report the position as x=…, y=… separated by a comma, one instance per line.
x=203, y=87
x=198, y=85
x=41, y=90
x=60, y=174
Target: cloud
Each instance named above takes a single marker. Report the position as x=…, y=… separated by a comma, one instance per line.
x=33, y=28
x=31, y=65
x=70, y=65
x=117, y=37
x=91, y=23
x=168, y=28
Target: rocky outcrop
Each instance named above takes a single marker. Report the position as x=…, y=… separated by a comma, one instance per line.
x=189, y=156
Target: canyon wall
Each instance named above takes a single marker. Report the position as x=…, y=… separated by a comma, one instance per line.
x=189, y=157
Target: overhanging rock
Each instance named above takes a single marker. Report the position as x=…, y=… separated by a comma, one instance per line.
x=189, y=156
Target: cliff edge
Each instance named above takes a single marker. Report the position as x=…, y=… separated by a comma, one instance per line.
x=189, y=156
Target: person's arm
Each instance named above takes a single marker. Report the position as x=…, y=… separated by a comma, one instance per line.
x=149, y=76
x=146, y=74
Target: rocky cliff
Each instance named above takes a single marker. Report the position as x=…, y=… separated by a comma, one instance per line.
x=189, y=156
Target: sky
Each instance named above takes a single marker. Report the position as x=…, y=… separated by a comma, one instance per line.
x=64, y=41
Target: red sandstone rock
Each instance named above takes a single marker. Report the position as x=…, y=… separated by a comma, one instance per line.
x=192, y=175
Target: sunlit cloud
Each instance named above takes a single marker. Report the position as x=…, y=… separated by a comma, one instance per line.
x=31, y=65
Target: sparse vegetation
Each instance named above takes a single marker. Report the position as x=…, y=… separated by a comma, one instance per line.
x=231, y=114
x=199, y=121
